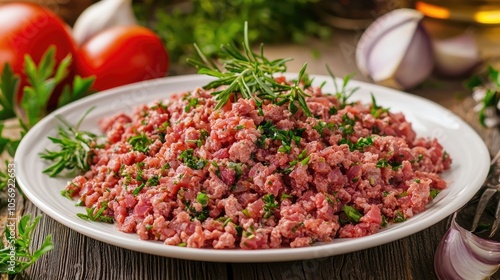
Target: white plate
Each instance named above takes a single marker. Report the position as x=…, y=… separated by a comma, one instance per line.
x=469, y=168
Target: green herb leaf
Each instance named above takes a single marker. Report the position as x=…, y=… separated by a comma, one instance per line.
x=24, y=256
x=270, y=205
x=9, y=83
x=188, y=158
x=96, y=216
x=352, y=213
x=251, y=76
x=76, y=149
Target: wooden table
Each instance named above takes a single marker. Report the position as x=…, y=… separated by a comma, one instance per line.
x=78, y=257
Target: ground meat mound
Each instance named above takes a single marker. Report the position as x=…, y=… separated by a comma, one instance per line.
x=253, y=177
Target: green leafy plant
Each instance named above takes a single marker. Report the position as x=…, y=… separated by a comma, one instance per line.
x=251, y=75
x=489, y=84
x=76, y=149
x=216, y=22
x=42, y=81
x=16, y=256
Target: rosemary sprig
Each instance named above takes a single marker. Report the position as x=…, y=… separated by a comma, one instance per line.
x=251, y=76
x=76, y=148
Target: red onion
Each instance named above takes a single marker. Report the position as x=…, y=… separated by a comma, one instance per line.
x=396, y=50
x=456, y=57
x=463, y=255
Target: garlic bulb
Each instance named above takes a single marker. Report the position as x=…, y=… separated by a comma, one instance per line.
x=102, y=15
x=395, y=50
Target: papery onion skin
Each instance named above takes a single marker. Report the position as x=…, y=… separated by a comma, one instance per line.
x=463, y=255
x=396, y=50
x=456, y=57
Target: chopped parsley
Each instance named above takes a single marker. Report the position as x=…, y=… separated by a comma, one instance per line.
x=383, y=163
x=188, y=158
x=202, y=199
x=237, y=169
x=140, y=143
x=270, y=205
x=352, y=213
x=138, y=189
x=192, y=102
x=287, y=137
x=434, y=193
x=399, y=217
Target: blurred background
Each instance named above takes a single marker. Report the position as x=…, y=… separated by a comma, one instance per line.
x=315, y=31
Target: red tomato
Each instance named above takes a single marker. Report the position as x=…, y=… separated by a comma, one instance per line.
x=30, y=29
x=122, y=55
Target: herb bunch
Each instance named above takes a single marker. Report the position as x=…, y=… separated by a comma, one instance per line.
x=76, y=149
x=251, y=75
x=486, y=91
x=216, y=22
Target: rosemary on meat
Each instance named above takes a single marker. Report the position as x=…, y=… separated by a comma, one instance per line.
x=251, y=76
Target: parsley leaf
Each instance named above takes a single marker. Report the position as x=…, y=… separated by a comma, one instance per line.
x=20, y=245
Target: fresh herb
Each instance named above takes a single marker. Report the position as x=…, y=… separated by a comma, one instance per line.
x=96, y=216
x=396, y=165
x=417, y=181
x=192, y=103
x=76, y=149
x=140, y=143
x=342, y=93
x=382, y=163
x=403, y=194
x=399, y=217
x=433, y=193
x=491, y=85
x=237, y=169
x=384, y=221
x=219, y=22
x=68, y=193
x=166, y=166
x=199, y=215
x=202, y=199
x=239, y=127
x=297, y=226
x=270, y=205
x=352, y=213
x=287, y=137
x=320, y=127
x=251, y=76
x=188, y=158
x=359, y=145
x=182, y=244
x=138, y=189
x=239, y=230
x=285, y=196
x=377, y=110
x=245, y=212
x=23, y=256
x=9, y=83
x=140, y=171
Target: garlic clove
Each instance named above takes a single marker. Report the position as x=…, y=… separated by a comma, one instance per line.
x=102, y=15
x=457, y=57
x=395, y=50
